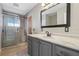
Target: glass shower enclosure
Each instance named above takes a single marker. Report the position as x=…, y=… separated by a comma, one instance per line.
x=11, y=24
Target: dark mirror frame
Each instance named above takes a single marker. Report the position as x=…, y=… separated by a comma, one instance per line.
x=67, y=25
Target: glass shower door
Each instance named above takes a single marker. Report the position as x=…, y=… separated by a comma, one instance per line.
x=10, y=29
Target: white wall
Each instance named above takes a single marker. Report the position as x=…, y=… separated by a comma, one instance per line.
x=1, y=23
x=74, y=28
x=35, y=13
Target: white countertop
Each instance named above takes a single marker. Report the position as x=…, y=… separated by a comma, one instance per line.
x=70, y=42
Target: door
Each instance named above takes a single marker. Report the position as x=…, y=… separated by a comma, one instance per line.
x=29, y=45
x=29, y=25
x=35, y=47
x=45, y=49
x=10, y=25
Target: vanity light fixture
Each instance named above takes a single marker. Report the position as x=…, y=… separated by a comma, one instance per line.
x=16, y=4
x=43, y=4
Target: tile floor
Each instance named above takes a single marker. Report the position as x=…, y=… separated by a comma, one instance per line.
x=18, y=50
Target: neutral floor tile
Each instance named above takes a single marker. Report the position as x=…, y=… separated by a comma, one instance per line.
x=18, y=50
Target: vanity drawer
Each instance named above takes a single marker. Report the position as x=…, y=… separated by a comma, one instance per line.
x=61, y=51
x=45, y=43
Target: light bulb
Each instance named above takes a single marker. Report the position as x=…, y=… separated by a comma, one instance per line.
x=43, y=4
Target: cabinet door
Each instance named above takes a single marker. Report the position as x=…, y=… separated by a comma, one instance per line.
x=35, y=47
x=61, y=51
x=45, y=49
x=29, y=46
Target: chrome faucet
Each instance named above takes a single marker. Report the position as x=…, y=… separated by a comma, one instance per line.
x=48, y=33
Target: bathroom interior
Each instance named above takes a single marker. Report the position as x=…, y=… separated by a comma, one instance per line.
x=39, y=29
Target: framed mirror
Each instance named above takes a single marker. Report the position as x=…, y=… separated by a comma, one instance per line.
x=57, y=15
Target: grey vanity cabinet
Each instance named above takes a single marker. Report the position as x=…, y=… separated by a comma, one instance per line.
x=45, y=49
x=38, y=47
x=35, y=47
x=29, y=45
x=61, y=51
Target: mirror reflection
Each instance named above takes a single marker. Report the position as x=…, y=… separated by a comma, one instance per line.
x=56, y=15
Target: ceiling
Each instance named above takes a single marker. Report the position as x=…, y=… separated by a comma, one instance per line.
x=19, y=8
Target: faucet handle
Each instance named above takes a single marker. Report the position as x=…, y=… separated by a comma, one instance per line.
x=48, y=33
